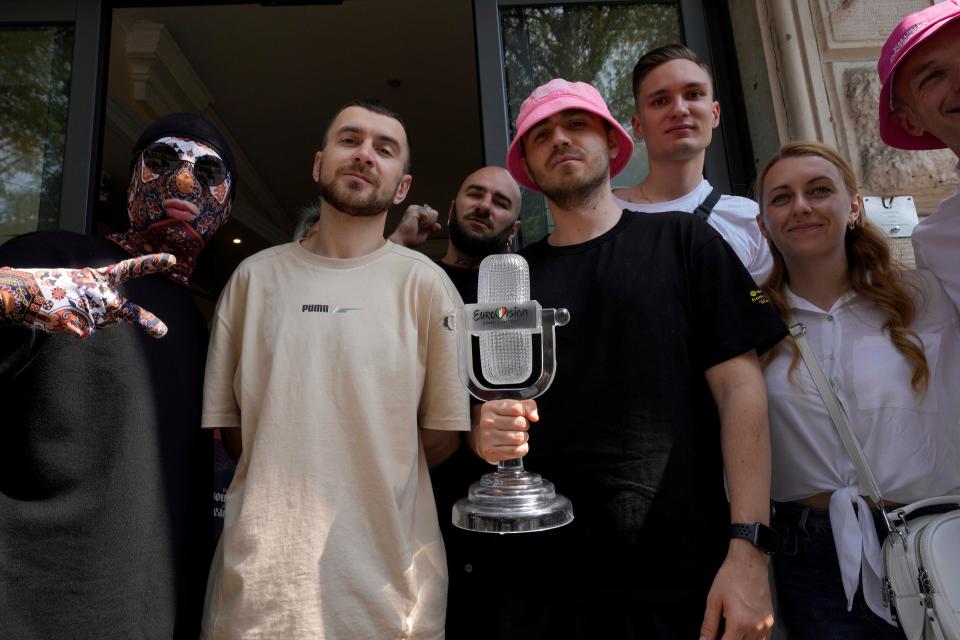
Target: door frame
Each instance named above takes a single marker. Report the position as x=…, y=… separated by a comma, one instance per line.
x=85, y=100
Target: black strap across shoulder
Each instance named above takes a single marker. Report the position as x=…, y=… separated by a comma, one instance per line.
x=703, y=211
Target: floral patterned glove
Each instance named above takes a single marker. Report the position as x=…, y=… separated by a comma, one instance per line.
x=79, y=301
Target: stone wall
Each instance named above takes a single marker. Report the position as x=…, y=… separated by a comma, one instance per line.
x=821, y=58
x=823, y=72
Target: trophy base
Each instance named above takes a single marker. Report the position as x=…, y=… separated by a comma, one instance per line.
x=512, y=502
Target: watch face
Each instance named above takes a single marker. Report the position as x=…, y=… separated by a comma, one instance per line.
x=767, y=539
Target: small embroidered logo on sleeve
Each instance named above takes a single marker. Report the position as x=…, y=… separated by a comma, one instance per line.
x=757, y=296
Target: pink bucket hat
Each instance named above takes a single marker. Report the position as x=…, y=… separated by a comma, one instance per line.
x=554, y=97
x=907, y=35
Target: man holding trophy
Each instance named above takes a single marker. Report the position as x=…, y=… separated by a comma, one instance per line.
x=660, y=394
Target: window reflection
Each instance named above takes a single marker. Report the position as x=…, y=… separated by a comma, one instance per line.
x=594, y=43
x=34, y=90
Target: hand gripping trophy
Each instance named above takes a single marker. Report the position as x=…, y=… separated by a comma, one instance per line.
x=510, y=499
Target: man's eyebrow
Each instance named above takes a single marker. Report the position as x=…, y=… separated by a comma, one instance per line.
x=919, y=70
x=496, y=194
x=348, y=128
x=502, y=195
x=689, y=85
x=382, y=137
x=537, y=127
x=389, y=140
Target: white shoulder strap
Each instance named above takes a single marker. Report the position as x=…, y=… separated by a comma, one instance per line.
x=835, y=409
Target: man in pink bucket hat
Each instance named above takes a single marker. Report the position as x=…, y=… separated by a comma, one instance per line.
x=919, y=71
x=658, y=386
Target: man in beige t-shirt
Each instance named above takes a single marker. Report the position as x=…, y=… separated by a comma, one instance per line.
x=330, y=367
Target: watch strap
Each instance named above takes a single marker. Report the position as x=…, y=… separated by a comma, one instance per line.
x=751, y=532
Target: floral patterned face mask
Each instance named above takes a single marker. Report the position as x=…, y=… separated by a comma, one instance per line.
x=179, y=196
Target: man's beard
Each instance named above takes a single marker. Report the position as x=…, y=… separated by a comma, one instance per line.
x=570, y=193
x=475, y=245
x=345, y=199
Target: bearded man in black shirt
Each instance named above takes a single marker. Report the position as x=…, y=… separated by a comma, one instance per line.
x=657, y=396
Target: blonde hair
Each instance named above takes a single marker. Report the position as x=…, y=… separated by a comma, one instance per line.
x=872, y=271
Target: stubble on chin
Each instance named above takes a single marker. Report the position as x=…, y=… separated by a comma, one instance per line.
x=349, y=200
x=570, y=191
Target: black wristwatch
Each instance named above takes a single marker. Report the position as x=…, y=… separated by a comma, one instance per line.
x=762, y=536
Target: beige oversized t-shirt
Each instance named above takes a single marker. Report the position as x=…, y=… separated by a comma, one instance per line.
x=329, y=366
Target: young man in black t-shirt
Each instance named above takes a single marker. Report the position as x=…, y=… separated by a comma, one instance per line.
x=657, y=394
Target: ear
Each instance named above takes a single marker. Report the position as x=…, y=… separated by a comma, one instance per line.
x=513, y=233
x=635, y=125
x=763, y=228
x=856, y=209
x=902, y=118
x=316, y=166
x=402, y=189
x=715, y=108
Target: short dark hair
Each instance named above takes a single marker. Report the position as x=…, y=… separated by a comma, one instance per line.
x=371, y=104
x=653, y=59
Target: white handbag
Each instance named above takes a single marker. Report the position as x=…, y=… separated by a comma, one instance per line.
x=921, y=554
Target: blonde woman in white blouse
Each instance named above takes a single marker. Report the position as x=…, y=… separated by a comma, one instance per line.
x=889, y=342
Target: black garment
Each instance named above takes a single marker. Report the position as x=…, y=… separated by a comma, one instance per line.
x=629, y=431
x=450, y=480
x=813, y=603
x=105, y=474
x=465, y=280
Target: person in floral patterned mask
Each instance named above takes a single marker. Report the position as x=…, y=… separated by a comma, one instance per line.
x=180, y=191
x=106, y=517
x=182, y=183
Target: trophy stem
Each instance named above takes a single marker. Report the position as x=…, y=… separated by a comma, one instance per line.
x=510, y=466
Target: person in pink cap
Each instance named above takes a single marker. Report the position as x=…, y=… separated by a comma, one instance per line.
x=657, y=394
x=919, y=71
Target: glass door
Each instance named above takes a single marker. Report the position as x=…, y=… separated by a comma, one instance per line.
x=525, y=43
x=49, y=65
x=34, y=83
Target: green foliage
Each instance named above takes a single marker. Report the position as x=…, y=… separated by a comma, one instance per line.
x=598, y=44
x=34, y=95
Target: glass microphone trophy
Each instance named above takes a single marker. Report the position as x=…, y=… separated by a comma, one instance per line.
x=510, y=499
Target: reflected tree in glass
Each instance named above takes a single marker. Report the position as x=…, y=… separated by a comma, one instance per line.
x=595, y=43
x=34, y=93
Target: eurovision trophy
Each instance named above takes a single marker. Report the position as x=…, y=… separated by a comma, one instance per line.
x=510, y=499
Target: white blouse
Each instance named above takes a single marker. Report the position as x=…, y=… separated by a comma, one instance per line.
x=911, y=441
x=935, y=243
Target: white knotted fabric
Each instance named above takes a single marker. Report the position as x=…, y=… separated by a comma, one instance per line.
x=858, y=549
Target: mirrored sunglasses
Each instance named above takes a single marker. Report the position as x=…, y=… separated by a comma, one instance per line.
x=163, y=159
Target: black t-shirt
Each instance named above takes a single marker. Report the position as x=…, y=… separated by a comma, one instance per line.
x=629, y=430
x=451, y=479
x=105, y=474
x=464, y=279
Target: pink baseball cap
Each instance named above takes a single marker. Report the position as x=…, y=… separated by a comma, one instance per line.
x=907, y=35
x=554, y=97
